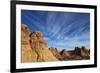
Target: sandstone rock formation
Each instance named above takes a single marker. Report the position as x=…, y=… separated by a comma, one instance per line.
x=56, y=53
x=33, y=47
x=80, y=53
x=27, y=55
x=76, y=54
x=83, y=52
x=40, y=47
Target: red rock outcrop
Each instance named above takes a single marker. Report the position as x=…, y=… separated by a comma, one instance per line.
x=56, y=53
x=65, y=54
x=80, y=53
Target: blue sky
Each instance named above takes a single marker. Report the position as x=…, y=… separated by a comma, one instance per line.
x=62, y=30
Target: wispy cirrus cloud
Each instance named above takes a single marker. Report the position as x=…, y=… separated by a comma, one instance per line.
x=63, y=30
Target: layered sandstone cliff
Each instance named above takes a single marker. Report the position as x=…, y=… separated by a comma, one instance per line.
x=27, y=54
x=33, y=47
x=40, y=47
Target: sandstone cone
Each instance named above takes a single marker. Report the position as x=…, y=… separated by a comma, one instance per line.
x=56, y=53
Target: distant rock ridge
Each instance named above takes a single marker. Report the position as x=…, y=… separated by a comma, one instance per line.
x=79, y=53
x=76, y=54
x=35, y=49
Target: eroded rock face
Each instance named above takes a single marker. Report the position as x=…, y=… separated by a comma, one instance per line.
x=27, y=55
x=40, y=47
x=56, y=53
x=33, y=47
